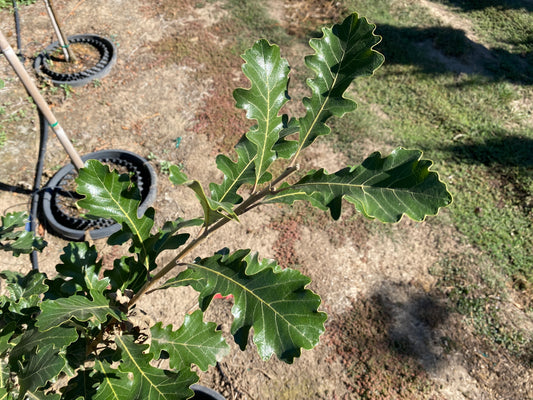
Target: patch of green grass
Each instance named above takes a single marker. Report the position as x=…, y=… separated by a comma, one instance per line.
x=506, y=27
x=470, y=126
x=252, y=21
x=469, y=295
x=8, y=4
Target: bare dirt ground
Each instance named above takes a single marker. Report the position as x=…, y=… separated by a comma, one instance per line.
x=390, y=334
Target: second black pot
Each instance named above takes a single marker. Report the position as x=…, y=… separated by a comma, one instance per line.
x=203, y=393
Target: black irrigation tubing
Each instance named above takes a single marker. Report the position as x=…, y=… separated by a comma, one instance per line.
x=34, y=204
x=17, y=30
x=34, y=208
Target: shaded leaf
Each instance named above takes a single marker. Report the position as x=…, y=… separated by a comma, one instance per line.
x=77, y=258
x=273, y=301
x=195, y=342
x=13, y=236
x=383, y=188
x=343, y=53
x=58, y=338
x=268, y=75
x=127, y=273
x=6, y=335
x=42, y=367
x=82, y=385
x=57, y=312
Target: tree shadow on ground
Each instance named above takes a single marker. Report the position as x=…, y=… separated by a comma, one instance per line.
x=472, y=5
x=387, y=342
x=507, y=151
x=439, y=50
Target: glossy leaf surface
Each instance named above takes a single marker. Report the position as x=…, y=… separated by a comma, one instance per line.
x=283, y=314
x=109, y=195
x=268, y=75
x=195, y=342
x=383, y=188
x=343, y=53
x=148, y=382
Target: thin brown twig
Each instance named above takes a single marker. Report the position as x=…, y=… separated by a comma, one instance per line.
x=71, y=13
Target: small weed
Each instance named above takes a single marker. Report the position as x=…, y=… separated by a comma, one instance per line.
x=97, y=83
x=67, y=89
x=2, y=137
x=164, y=165
x=114, y=39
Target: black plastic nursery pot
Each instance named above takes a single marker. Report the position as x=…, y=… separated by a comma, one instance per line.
x=203, y=393
x=57, y=206
x=105, y=47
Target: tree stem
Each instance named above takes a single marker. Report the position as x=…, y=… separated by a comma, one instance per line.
x=245, y=206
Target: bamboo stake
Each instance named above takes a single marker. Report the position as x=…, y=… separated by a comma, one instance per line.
x=63, y=41
x=40, y=101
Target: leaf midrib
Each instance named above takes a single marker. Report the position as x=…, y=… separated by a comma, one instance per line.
x=109, y=383
x=245, y=289
x=125, y=348
x=315, y=120
x=132, y=224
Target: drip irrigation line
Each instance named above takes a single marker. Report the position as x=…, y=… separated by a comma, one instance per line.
x=17, y=30
x=34, y=208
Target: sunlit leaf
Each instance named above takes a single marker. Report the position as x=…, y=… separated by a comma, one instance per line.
x=109, y=195
x=385, y=188
x=213, y=210
x=80, y=308
x=343, y=53
x=148, y=382
x=268, y=75
x=283, y=314
x=41, y=395
x=236, y=173
x=195, y=342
